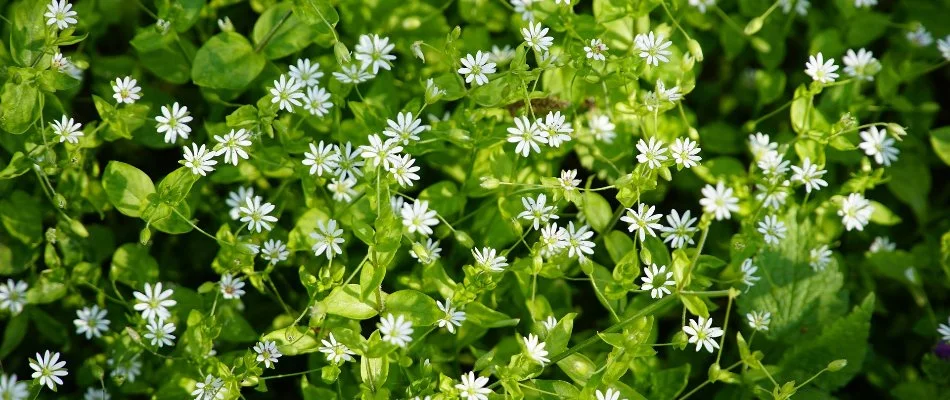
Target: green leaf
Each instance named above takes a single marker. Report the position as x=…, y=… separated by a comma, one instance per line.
x=127, y=188
x=695, y=305
x=444, y=198
x=940, y=140
x=910, y=182
x=293, y=340
x=14, y=333
x=22, y=217
x=319, y=13
x=18, y=106
x=17, y=166
x=374, y=371
x=881, y=215
x=174, y=187
x=598, y=211
x=162, y=54
x=479, y=314
x=28, y=31
x=415, y=306
x=226, y=61
x=372, y=275
x=670, y=382
x=345, y=302
x=133, y=266
x=845, y=338
x=285, y=32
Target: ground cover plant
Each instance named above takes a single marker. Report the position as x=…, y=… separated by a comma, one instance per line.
x=475, y=199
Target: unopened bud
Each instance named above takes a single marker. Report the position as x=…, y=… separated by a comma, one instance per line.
x=761, y=45
x=342, y=53
x=417, y=50
x=897, y=130
x=489, y=182
x=837, y=365
x=753, y=26
x=145, y=236
x=695, y=49
x=464, y=239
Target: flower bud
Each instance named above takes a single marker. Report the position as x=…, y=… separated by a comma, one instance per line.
x=417, y=50
x=761, y=45
x=897, y=130
x=695, y=49
x=489, y=182
x=225, y=24
x=753, y=26
x=837, y=365
x=145, y=236
x=342, y=53
x=51, y=235
x=464, y=239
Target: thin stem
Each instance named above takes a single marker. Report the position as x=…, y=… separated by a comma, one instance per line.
x=725, y=328
x=273, y=31
x=699, y=252
x=290, y=374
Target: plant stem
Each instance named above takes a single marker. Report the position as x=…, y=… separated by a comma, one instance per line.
x=273, y=31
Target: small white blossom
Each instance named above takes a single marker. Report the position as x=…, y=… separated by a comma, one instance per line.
x=552, y=240
x=475, y=69
x=536, y=37
x=643, y=220
x=864, y=3
x=920, y=37
x=320, y=158
x=378, y=152
x=701, y=5
x=882, y=243
x=48, y=368
x=403, y=170
x=653, y=48
x=199, y=159
x=681, y=229
x=352, y=74
x=610, y=394
x=719, y=201
x=685, y=152
x=317, y=101
x=452, y=318
x=821, y=70
x=67, y=130
x=287, y=93
x=772, y=229
x=274, y=251
x=501, y=55
x=549, y=323
x=473, y=388
x=555, y=129
x=257, y=215
x=487, y=258
x=567, y=180
x=373, y=52
x=306, y=72
x=10, y=389
x=417, y=217
x=336, y=352
x=809, y=175
x=773, y=164
x=526, y=135
x=211, y=389
x=653, y=154
x=232, y=145
x=877, y=144
x=349, y=165
x=944, y=331
x=773, y=196
x=328, y=239
x=944, y=46
x=160, y=333
x=602, y=128
x=61, y=14
x=174, y=122
x=524, y=7
x=703, y=333
x=431, y=252
x=657, y=280
x=748, y=273
x=819, y=258
x=154, y=302
x=236, y=199
x=535, y=349
x=91, y=322
x=800, y=6
x=267, y=353
x=596, y=50
x=231, y=287
x=855, y=212
x=760, y=145
x=405, y=128
x=672, y=94
x=126, y=369
x=396, y=330
x=861, y=65
x=342, y=189
x=578, y=241
x=13, y=296
x=126, y=90
x=759, y=320
x=225, y=25
x=537, y=211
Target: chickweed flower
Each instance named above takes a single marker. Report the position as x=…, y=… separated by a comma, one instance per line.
x=703, y=333
x=855, y=212
x=523, y=7
x=657, y=280
x=701, y=6
x=236, y=199
x=306, y=72
x=126, y=90
x=773, y=196
x=10, y=389
x=759, y=320
x=427, y=253
x=602, y=129
x=267, y=353
x=473, y=388
x=160, y=333
x=534, y=347
x=13, y=296
x=91, y=322
x=405, y=128
x=211, y=389
x=612, y=394
x=920, y=37
x=231, y=287
x=475, y=69
x=552, y=240
x=232, y=145
x=257, y=215
x=944, y=46
x=287, y=93
x=596, y=50
x=819, y=258
x=820, y=70
x=199, y=159
x=527, y=136
x=352, y=74
x=336, y=352
x=154, y=302
x=809, y=175
x=861, y=65
x=373, y=52
x=274, y=251
x=342, y=189
x=417, y=217
x=174, y=122
x=396, y=330
x=643, y=221
x=452, y=318
x=536, y=37
x=772, y=229
x=537, y=211
x=882, y=243
x=944, y=331
x=652, y=48
x=800, y=6
x=653, y=154
x=567, y=181
x=320, y=158
x=487, y=258
x=685, y=153
x=61, y=14
x=317, y=101
x=748, y=273
x=67, y=130
x=403, y=170
x=681, y=230
x=760, y=145
x=878, y=145
x=578, y=241
x=555, y=129
x=48, y=369
x=378, y=153
x=349, y=165
x=328, y=239
x=773, y=164
x=719, y=201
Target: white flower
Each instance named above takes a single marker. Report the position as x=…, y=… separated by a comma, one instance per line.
x=611, y=394
x=67, y=130
x=433, y=92
x=231, y=287
x=416, y=48
x=759, y=320
x=681, y=229
x=95, y=394
x=225, y=25
x=232, y=145
x=13, y=296
x=163, y=25
x=703, y=333
x=596, y=50
x=373, y=51
x=801, y=6
x=395, y=330
x=10, y=389
x=855, y=212
x=48, y=369
x=286, y=93
x=819, y=258
x=578, y=241
x=352, y=73
x=864, y=3
x=760, y=145
x=552, y=239
x=211, y=389
x=349, y=164
x=378, y=152
x=403, y=170
x=476, y=68
x=702, y=4
x=336, y=352
x=672, y=94
x=174, y=122
x=809, y=175
x=417, y=217
x=535, y=349
x=944, y=46
x=473, y=388
x=652, y=48
x=772, y=229
x=160, y=333
x=405, y=128
x=60, y=63
x=126, y=90
x=91, y=321
x=944, y=331
x=567, y=181
x=652, y=153
x=602, y=128
x=820, y=70
x=537, y=211
x=527, y=135
x=501, y=55
x=257, y=215
x=321, y=157
x=523, y=7
x=452, y=318
x=126, y=369
x=488, y=258
x=236, y=199
x=342, y=189
x=430, y=252
x=154, y=302
x=317, y=101
x=719, y=200
x=685, y=152
x=306, y=72
x=267, y=353
x=748, y=273
x=773, y=196
x=773, y=164
x=274, y=251
x=550, y=323
x=643, y=221
x=328, y=239
x=199, y=159
x=657, y=280
x=555, y=129
x=61, y=14
x=920, y=37
x=861, y=65
x=882, y=243
x=877, y=144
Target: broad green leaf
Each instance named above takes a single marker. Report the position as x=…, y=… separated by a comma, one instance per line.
x=293, y=340
x=479, y=314
x=22, y=217
x=14, y=333
x=226, y=61
x=669, y=383
x=162, y=54
x=133, y=266
x=18, y=106
x=415, y=306
x=165, y=218
x=174, y=187
x=28, y=31
x=319, y=13
x=372, y=274
x=444, y=198
x=374, y=371
x=882, y=215
x=284, y=32
x=127, y=187
x=19, y=164
x=940, y=140
x=597, y=210
x=345, y=302
x=911, y=182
